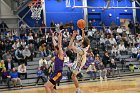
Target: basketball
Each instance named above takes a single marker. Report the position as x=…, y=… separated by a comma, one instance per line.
x=81, y=23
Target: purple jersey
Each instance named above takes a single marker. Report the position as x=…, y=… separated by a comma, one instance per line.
x=58, y=64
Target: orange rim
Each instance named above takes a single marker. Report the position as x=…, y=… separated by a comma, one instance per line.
x=35, y=3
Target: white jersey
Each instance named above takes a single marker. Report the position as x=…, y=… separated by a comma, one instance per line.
x=81, y=59
x=81, y=56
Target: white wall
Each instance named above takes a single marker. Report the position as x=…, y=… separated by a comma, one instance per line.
x=6, y=14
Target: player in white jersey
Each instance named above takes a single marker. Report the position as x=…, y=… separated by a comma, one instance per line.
x=81, y=57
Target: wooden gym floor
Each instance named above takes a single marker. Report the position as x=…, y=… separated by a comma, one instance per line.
x=126, y=85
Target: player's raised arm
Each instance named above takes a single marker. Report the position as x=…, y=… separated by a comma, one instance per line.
x=71, y=46
x=60, y=41
x=53, y=40
x=83, y=33
x=60, y=45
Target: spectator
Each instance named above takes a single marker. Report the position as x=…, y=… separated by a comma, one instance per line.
x=118, y=38
x=2, y=65
x=114, y=50
x=43, y=27
x=36, y=25
x=92, y=71
x=106, y=59
x=22, y=71
x=19, y=56
x=47, y=70
x=107, y=43
x=8, y=44
x=7, y=55
x=52, y=25
x=119, y=30
x=16, y=37
x=2, y=47
x=9, y=64
x=90, y=24
x=30, y=38
x=32, y=50
x=66, y=34
x=131, y=26
x=23, y=43
x=49, y=40
x=61, y=26
x=102, y=42
x=27, y=54
x=41, y=61
x=121, y=48
x=112, y=40
x=90, y=34
x=95, y=51
x=40, y=75
x=23, y=28
x=102, y=71
x=134, y=51
x=15, y=78
x=90, y=59
x=97, y=60
x=3, y=26
x=6, y=77
x=16, y=44
x=57, y=26
x=108, y=31
x=113, y=67
x=42, y=49
x=25, y=37
x=71, y=24
x=97, y=37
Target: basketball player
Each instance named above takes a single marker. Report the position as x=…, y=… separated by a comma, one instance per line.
x=81, y=57
x=58, y=65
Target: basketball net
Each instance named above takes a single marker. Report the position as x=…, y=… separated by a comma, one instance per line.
x=68, y=3
x=36, y=8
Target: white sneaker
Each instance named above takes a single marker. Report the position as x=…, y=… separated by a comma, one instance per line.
x=101, y=78
x=105, y=78
x=78, y=91
x=90, y=80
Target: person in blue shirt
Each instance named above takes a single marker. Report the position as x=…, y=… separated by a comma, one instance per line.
x=40, y=75
x=25, y=37
x=16, y=37
x=14, y=77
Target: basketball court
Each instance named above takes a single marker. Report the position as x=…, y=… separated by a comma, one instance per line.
x=124, y=85
x=73, y=11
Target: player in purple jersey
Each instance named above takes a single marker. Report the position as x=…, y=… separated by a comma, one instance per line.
x=58, y=65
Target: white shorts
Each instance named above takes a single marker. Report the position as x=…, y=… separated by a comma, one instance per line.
x=76, y=68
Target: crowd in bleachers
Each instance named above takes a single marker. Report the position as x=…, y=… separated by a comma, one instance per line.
x=23, y=46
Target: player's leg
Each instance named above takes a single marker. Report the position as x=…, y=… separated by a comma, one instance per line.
x=52, y=82
x=75, y=80
x=54, y=91
x=48, y=87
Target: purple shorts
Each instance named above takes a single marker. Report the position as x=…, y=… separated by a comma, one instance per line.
x=55, y=77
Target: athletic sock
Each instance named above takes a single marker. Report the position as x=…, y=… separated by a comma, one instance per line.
x=78, y=89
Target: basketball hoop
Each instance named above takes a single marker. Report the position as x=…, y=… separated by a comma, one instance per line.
x=36, y=8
